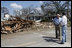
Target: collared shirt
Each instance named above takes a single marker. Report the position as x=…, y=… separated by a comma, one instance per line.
x=57, y=21
x=64, y=20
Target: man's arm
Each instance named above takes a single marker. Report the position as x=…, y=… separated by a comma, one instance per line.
x=60, y=21
x=54, y=21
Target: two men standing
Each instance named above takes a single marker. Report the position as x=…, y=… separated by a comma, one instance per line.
x=63, y=22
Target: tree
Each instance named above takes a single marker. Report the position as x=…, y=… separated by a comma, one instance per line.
x=4, y=10
x=48, y=8
x=57, y=6
x=17, y=13
x=28, y=11
x=68, y=3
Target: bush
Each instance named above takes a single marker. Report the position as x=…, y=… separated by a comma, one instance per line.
x=46, y=20
x=69, y=23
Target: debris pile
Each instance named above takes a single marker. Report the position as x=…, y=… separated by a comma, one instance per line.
x=18, y=24
x=43, y=25
x=13, y=25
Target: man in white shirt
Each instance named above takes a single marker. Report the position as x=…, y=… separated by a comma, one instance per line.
x=64, y=27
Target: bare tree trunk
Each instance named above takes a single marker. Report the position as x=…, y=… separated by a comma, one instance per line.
x=67, y=9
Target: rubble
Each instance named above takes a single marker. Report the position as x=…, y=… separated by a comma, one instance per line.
x=17, y=25
x=14, y=24
x=3, y=32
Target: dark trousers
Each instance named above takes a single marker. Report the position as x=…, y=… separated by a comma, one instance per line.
x=57, y=30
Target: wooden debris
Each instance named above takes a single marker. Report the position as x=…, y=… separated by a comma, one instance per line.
x=15, y=24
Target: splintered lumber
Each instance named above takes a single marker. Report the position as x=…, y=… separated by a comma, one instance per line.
x=13, y=25
x=3, y=32
x=8, y=28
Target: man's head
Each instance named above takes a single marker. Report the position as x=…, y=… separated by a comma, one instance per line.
x=63, y=13
x=58, y=15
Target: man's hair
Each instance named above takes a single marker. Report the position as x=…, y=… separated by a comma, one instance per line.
x=63, y=13
x=58, y=14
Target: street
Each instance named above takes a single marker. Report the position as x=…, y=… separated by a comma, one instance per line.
x=35, y=38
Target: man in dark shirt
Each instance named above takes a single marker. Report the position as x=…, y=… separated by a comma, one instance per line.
x=57, y=21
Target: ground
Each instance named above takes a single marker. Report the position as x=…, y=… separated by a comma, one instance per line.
x=35, y=38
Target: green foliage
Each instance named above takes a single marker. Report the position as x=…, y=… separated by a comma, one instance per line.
x=69, y=23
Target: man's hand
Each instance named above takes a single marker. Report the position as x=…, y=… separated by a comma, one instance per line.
x=60, y=24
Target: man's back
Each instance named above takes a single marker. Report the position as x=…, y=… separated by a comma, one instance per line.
x=64, y=20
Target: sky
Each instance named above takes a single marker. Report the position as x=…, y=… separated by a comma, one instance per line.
x=12, y=5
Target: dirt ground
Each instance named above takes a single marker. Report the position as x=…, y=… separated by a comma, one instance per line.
x=40, y=37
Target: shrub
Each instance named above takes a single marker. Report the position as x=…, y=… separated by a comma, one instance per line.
x=69, y=23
